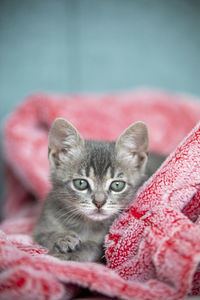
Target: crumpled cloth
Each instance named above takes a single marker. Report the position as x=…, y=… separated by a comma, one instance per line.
x=153, y=248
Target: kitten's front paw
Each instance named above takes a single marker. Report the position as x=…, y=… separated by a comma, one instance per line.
x=66, y=243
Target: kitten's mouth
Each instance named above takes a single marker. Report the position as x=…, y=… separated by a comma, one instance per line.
x=98, y=215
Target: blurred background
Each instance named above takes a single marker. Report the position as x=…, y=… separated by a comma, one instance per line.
x=97, y=46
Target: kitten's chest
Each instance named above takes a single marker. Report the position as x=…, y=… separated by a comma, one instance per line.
x=93, y=232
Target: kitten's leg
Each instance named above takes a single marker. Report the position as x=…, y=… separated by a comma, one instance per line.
x=58, y=242
x=66, y=242
x=88, y=251
x=67, y=246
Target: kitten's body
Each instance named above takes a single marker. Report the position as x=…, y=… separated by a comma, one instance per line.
x=74, y=222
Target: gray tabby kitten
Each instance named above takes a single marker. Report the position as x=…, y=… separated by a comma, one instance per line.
x=92, y=182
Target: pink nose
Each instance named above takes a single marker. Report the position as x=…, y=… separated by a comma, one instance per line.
x=99, y=204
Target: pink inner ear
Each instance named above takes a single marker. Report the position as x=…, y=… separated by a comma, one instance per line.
x=134, y=137
x=58, y=132
x=142, y=156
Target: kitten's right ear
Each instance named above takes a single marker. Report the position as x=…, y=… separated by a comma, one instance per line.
x=65, y=142
x=132, y=146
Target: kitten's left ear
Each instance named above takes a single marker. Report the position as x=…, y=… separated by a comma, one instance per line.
x=132, y=145
x=65, y=143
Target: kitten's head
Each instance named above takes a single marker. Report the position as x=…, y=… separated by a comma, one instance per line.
x=96, y=179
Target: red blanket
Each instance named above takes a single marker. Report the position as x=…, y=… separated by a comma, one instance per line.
x=153, y=249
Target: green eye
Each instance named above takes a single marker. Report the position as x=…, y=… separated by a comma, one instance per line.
x=80, y=184
x=117, y=186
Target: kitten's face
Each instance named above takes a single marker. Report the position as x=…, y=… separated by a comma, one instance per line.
x=96, y=179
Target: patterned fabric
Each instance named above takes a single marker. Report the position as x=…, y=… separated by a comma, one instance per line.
x=153, y=249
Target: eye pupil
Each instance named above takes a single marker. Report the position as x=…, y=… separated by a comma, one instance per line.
x=80, y=184
x=117, y=186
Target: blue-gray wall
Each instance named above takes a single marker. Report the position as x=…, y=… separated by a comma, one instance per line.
x=97, y=45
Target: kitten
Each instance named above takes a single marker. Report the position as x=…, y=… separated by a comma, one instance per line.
x=92, y=182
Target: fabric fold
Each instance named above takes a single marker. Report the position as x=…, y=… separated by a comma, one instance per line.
x=153, y=247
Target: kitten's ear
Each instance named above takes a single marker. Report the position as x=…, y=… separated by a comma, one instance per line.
x=65, y=142
x=132, y=146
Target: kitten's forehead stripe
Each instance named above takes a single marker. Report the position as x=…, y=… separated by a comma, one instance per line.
x=100, y=158
x=120, y=174
x=109, y=172
x=82, y=172
x=87, y=170
x=91, y=172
